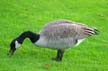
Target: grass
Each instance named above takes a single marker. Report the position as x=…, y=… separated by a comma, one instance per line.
x=17, y=16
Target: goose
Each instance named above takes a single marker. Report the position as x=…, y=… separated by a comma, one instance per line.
x=58, y=34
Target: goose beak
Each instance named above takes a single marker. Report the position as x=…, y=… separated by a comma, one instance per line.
x=12, y=48
x=11, y=52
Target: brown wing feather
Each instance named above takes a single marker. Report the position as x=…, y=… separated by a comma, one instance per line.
x=66, y=30
x=59, y=31
x=84, y=31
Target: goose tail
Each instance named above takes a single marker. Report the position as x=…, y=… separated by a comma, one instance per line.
x=96, y=31
x=91, y=31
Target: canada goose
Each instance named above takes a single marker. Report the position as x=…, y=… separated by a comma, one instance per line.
x=58, y=34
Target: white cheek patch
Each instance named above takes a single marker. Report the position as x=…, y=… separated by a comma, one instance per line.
x=79, y=41
x=17, y=45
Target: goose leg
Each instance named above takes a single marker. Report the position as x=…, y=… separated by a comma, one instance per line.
x=59, y=55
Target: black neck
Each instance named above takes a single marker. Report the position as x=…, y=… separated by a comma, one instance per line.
x=32, y=36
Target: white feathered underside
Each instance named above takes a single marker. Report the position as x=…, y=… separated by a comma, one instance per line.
x=57, y=43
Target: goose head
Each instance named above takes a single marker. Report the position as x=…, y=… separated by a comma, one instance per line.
x=13, y=46
x=16, y=43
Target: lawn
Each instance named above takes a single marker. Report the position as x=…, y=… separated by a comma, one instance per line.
x=17, y=16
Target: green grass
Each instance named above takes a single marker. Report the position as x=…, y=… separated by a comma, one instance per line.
x=17, y=16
